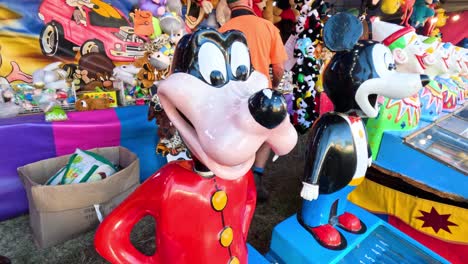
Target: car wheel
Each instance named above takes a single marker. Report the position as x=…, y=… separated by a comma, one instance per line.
x=53, y=42
x=91, y=46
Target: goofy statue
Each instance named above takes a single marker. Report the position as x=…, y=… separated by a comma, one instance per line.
x=224, y=113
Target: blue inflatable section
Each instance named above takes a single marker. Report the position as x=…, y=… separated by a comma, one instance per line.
x=419, y=166
x=255, y=257
x=139, y=136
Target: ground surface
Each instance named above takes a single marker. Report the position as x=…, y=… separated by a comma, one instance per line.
x=283, y=179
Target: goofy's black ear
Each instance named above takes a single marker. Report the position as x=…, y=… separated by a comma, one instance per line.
x=342, y=31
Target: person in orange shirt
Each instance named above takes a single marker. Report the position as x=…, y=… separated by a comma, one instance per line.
x=266, y=48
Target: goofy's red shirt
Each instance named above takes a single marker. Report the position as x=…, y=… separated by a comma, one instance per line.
x=198, y=219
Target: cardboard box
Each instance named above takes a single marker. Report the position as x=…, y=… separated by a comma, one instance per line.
x=61, y=212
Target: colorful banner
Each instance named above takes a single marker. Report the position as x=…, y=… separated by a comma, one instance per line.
x=442, y=223
x=29, y=139
x=35, y=33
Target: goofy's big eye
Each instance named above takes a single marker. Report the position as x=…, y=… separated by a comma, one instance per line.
x=240, y=61
x=212, y=64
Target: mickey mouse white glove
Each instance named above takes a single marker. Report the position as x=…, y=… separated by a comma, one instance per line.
x=309, y=191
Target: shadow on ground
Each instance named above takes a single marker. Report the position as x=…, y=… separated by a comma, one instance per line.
x=282, y=179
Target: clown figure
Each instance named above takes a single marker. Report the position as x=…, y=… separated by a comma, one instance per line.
x=441, y=70
x=455, y=69
x=398, y=114
x=464, y=65
x=407, y=49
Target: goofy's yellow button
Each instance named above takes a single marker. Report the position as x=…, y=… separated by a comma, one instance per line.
x=234, y=260
x=226, y=236
x=219, y=200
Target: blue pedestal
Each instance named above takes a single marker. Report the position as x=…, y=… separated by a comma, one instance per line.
x=419, y=167
x=255, y=257
x=381, y=243
x=402, y=158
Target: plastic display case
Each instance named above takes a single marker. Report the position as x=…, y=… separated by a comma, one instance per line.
x=446, y=140
x=384, y=246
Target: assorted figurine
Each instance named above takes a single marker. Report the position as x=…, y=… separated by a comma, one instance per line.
x=437, y=67
x=8, y=108
x=88, y=103
x=156, y=26
x=308, y=65
x=170, y=142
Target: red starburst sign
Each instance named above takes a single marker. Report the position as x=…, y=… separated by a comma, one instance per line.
x=435, y=220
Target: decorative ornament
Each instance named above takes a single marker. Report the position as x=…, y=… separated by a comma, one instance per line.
x=306, y=71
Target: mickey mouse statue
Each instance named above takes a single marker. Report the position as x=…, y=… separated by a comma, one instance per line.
x=338, y=154
x=203, y=208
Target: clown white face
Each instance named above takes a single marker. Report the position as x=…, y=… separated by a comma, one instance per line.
x=464, y=61
x=455, y=66
x=411, y=58
x=437, y=63
x=445, y=51
x=407, y=49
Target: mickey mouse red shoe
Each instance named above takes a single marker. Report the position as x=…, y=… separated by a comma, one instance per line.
x=328, y=236
x=351, y=223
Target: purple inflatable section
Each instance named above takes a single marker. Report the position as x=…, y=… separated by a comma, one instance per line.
x=25, y=139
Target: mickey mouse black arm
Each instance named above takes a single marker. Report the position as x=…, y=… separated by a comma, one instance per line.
x=369, y=150
x=369, y=154
x=331, y=153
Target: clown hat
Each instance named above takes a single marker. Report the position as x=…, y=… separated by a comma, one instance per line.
x=431, y=43
x=388, y=32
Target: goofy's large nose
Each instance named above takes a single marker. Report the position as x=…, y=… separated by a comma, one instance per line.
x=268, y=108
x=425, y=79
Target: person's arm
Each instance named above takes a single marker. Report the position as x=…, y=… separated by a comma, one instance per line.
x=278, y=56
x=223, y=13
x=206, y=5
x=278, y=71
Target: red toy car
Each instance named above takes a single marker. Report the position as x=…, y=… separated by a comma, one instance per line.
x=93, y=25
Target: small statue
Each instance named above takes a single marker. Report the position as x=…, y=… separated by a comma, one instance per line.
x=338, y=154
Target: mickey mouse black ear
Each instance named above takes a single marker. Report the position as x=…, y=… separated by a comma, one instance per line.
x=341, y=32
